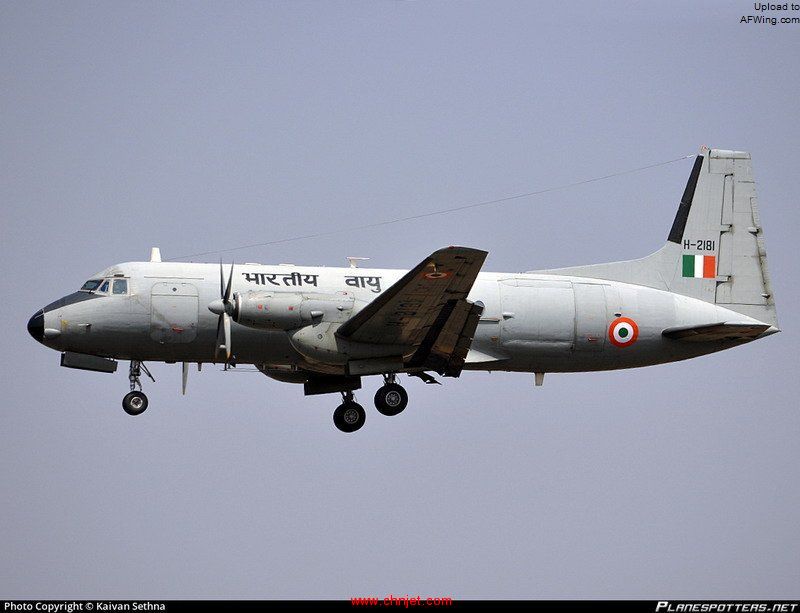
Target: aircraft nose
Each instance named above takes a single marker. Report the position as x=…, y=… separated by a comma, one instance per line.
x=36, y=325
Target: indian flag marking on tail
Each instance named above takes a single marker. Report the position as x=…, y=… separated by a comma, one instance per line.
x=700, y=266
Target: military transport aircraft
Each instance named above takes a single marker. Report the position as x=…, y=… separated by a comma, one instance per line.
x=705, y=290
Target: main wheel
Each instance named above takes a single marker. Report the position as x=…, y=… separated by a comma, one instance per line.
x=391, y=399
x=349, y=416
x=134, y=403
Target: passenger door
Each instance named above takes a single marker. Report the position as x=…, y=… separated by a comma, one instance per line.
x=590, y=316
x=173, y=312
x=538, y=314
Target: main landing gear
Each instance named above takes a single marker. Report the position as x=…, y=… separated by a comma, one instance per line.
x=390, y=399
x=135, y=402
x=349, y=416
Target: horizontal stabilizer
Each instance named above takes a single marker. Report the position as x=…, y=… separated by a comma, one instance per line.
x=717, y=332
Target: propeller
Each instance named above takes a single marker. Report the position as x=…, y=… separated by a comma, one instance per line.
x=224, y=308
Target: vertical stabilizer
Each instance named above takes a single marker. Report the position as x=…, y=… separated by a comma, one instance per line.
x=715, y=248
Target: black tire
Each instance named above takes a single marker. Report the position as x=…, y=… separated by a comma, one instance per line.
x=134, y=403
x=391, y=399
x=349, y=416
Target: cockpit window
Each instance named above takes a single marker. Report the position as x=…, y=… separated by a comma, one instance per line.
x=120, y=286
x=91, y=285
x=104, y=287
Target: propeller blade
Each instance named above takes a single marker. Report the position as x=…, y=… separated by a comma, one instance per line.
x=227, y=295
x=226, y=324
x=220, y=339
x=223, y=307
x=184, y=377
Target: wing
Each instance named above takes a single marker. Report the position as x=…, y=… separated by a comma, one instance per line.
x=428, y=301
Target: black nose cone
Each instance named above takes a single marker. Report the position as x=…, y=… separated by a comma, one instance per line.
x=36, y=326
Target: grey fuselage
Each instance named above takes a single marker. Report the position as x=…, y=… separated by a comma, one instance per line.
x=531, y=322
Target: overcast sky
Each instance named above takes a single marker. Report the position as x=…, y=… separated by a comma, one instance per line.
x=204, y=126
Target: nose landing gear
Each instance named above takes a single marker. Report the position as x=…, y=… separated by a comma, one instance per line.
x=349, y=416
x=135, y=402
x=391, y=398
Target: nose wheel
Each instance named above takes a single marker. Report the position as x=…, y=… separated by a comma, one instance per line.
x=349, y=416
x=135, y=401
x=391, y=398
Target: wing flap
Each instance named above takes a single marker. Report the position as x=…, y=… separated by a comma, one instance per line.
x=447, y=343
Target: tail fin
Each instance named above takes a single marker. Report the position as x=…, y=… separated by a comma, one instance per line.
x=715, y=249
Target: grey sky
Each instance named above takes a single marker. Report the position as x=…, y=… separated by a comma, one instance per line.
x=197, y=126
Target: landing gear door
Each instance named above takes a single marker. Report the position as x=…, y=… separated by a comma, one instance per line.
x=173, y=312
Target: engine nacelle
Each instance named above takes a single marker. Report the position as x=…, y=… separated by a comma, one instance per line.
x=319, y=343
x=289, y=310
x=269, y=310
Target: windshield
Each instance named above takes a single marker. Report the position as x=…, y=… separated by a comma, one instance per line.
x=91, y=285
x=120, y=286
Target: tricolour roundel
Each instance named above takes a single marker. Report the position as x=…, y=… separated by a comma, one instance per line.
x=433, y=276
x=623, y=332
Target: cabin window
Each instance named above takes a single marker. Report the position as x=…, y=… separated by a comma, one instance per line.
x=120, y=286
x=104, y=288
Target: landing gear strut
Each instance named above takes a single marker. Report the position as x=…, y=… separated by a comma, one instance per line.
x=135, y=402
x=392, y=398
x=349, y=416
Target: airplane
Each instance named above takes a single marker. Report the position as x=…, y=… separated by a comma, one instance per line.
x=706, y=289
